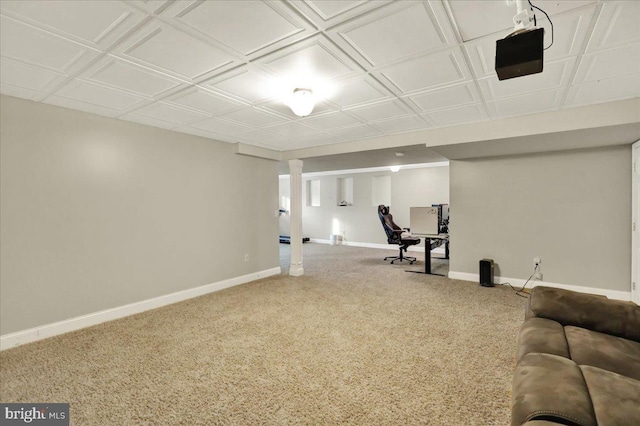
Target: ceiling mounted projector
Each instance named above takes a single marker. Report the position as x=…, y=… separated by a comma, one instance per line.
x=521, y=52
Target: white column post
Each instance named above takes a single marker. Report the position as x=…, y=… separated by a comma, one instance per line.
x=295, y=171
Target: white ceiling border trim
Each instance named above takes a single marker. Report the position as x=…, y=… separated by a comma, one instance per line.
x=370, y=170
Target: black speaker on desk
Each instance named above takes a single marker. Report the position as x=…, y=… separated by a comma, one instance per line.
x=486, y=272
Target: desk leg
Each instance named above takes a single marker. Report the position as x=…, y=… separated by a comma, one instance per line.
x=446, y=249
x=427, y=255
x=427, y=259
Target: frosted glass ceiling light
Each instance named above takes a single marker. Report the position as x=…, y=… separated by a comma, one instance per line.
x=394, y=169
x=301, y=102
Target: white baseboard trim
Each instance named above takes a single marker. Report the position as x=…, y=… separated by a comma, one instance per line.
x=516, y=282
x=12, y=340
x=416, y=249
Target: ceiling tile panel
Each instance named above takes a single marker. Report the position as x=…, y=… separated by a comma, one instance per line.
x=381, y=110
x=570, y=32
x=357, y=132
x=152, y=6
x=476, y=19
x=401, y=125
x=27, y=76
x=82, y=106
x=98, y=23
x=607, y=90
x=217, y=125
x=331, y=120
x=615, y=62
x=556, y=75
x=328, y=13
x=529, y=104
x=459, y=115
x=132, y=77
x=616, y=25
x=168, y=49
x=329, y=9
x=99, y=95
x=358, y=91
x=170, y=113
x=416, y=27
x=291, y=130
x=20, y=92
x=434, y=70
x=317, y=139
x=205, y=101
x=313, y=58
x=461, y=94
x=253, y=117
x=246, y=26
x=246, y=84
x=29, y=44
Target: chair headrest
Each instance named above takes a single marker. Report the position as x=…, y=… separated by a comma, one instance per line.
x=383, y=209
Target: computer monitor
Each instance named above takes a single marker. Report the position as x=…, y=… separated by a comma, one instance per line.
x=445, y=213
x=443, y=217
x=424, y=220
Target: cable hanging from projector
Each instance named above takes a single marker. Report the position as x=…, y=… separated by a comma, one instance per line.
x=535, y=23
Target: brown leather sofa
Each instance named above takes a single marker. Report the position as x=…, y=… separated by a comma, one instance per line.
x=578, y=361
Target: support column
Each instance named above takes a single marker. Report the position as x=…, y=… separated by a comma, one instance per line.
x=295, y=173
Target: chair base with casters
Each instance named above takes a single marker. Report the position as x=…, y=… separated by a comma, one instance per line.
x=401, y=257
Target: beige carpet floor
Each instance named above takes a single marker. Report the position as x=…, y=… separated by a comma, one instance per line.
x=354, y=341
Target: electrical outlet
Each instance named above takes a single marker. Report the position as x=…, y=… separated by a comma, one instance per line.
x=246, y=257
x=536, y=262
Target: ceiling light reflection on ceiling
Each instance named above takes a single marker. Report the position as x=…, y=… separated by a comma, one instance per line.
x=394, y=169
x=301, y=102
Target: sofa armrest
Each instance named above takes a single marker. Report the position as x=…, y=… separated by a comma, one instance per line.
x=552, y=388
x=588, y=311
x=543, y=336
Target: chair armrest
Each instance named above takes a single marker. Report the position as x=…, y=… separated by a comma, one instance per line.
x=589, y=311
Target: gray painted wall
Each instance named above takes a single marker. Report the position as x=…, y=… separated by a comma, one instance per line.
x=360, y=223
x=97, y=213
x=572, y=209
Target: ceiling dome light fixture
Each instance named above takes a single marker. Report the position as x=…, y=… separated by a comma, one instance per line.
x=394, y=169
x=301, y=102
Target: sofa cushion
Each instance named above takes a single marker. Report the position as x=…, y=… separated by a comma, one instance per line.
x=550, y=387
x=589, y=311
x=608, y=352
x=615, y=398
x=544, y=336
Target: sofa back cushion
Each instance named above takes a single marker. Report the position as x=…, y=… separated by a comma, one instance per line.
x=584, y=310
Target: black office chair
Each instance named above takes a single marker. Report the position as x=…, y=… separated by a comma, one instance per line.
x=394, y=235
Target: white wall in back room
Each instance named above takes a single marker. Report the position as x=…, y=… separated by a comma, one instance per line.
x=358, y=222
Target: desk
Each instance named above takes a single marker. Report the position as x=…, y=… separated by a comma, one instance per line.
x=427, y=251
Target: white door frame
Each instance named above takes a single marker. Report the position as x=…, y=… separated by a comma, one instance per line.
x=635, y=223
